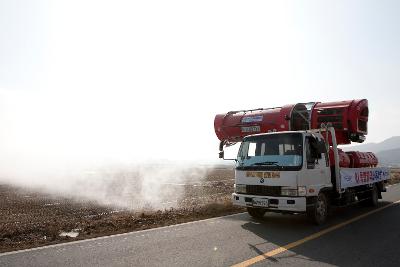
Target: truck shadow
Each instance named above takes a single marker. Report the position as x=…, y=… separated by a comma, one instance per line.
x=278, y=230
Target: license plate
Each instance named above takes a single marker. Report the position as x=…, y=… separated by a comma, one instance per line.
x=260, y=202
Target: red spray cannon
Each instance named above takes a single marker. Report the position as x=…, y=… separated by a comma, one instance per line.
x=354, y=159
x=362, y=159
x=348, y=118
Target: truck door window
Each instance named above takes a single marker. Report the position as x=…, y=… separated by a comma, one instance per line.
x=312, y=154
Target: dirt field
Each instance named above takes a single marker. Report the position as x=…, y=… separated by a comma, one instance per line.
x=395, y=176
x=30, y=219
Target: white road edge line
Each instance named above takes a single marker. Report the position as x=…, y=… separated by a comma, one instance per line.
x=116, y=235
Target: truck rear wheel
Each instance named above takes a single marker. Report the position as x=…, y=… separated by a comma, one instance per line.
x=256, y=213
x=318, y=213
x=373, y=196
x=369, y=198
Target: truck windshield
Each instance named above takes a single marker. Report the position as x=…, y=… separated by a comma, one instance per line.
x=281, y=151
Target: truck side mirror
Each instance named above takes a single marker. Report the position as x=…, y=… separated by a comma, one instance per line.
x=221, y=155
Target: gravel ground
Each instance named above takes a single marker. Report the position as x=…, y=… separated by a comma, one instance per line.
x=395, y=176
x=30, y=219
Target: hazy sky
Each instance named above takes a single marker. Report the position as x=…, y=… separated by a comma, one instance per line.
x=144, y=79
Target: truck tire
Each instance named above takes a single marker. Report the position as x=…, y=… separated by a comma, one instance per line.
x=256, y=213
x=318, y=213
x=373, y=196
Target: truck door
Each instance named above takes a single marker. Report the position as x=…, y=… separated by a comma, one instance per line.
x=316, y=173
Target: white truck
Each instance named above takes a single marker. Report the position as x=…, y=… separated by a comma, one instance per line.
x=291, y=172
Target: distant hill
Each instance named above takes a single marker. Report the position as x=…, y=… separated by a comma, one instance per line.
x=388, y=151
x=388, y=144
x=389, y=157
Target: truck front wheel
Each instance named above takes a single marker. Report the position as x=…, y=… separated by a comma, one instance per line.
x=318, y=213
x=256, y=213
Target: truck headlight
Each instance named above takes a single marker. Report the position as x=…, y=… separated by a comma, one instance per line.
x=288, y=192
x=240, y=188
x=302, y=190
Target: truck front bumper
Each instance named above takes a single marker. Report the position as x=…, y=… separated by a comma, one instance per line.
x=291, y=204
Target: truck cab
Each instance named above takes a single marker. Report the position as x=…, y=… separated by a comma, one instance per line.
x=281, y=172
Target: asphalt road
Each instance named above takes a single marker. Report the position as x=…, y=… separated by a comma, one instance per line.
x=373, y=240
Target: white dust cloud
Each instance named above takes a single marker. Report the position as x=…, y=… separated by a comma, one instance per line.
x=91, y=148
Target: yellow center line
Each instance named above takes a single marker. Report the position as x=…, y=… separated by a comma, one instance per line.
x=308, y=238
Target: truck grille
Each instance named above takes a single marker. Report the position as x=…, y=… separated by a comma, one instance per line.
x=263, y=190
